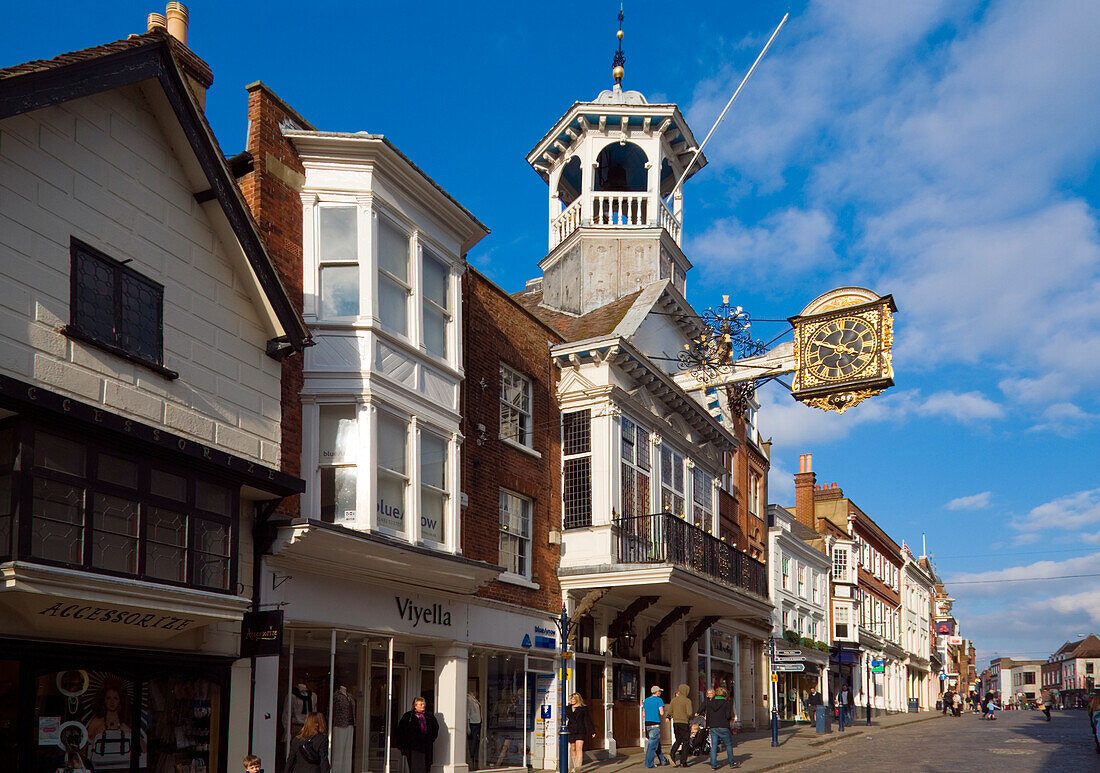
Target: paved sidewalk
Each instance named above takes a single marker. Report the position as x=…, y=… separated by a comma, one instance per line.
x=755, y=752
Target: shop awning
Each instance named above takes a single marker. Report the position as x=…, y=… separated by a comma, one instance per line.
x=52, y=602
x=324, y=548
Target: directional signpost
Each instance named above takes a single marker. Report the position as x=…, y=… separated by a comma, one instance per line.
x=780, y=667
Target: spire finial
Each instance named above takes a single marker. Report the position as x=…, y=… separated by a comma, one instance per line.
x=617, y=63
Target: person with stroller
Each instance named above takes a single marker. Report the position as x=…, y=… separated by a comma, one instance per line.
x=681, y=712
x=719, y=716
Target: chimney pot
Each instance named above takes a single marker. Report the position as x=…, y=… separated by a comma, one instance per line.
x=809, y=462
x=177, y=21
x=156, y=20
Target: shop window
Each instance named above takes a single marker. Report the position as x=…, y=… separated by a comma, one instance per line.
x=434, y=496
x=634, y=499
x=672, y=481
x=577, y=469
x=94, y=508
x=394, y=288
x=497, y=683
x=338, y=261
x=114, y=307
x=435, y=281
x=840, y=621
x=515, y=407
x=515, y=533
x=339, y=446
x=393, y=479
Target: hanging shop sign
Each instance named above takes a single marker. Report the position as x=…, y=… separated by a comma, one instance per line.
x=261, y=633
x=878, y=666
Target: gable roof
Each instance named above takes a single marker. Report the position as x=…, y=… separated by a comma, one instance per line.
x=155, y=55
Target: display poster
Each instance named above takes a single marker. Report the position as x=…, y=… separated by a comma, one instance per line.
x=49, y=731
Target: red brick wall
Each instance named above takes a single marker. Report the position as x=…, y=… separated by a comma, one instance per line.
x=496, y=330
x=277, y=208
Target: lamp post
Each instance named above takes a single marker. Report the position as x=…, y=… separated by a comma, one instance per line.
x=563, y=733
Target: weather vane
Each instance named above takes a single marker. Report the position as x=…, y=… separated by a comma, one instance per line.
x=617, y=63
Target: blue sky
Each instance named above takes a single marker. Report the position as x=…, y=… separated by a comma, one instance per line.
x=943, y=151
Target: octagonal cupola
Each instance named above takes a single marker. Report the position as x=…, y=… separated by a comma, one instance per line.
x=615, y=214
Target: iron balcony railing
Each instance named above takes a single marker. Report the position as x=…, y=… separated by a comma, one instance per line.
x=664, y=538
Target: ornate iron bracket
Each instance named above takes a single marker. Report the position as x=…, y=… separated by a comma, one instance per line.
x=658, y=630
x=699, y=629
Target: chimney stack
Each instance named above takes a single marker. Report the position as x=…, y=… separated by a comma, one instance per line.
x=196, y=72
x=176, y=14
x=804, y=482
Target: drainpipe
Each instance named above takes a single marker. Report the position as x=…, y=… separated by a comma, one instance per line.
x=262, y=538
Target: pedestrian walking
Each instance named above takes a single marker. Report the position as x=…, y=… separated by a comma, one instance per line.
x=653, y=710
x=845, y=702
x=415, y=736
x=309, y=749
x=813, y=700
x=719, y=717
x=679, y=708
x=578, y=723
x=956, y=705
x=946, y=700
x=1094, y=719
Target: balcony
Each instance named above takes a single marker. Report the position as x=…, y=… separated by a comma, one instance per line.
x=615, y=209
x=664, y=538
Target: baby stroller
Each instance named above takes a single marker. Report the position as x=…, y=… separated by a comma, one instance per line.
x=699, y=742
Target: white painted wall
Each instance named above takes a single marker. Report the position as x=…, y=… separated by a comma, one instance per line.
x=101, y=169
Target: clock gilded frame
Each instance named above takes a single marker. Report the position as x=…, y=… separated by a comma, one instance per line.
x=842, y=348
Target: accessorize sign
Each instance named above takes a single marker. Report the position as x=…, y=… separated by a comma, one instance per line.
x=91, y=613
x=261, y=633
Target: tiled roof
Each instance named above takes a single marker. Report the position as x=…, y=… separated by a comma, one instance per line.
x=596, y=323
x=197, y=68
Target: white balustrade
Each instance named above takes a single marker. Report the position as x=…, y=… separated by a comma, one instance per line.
x=614, y=209
x=620, y=209
x=566, y=223
x=669, y=222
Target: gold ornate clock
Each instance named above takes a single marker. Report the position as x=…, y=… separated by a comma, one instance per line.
x=842, y=348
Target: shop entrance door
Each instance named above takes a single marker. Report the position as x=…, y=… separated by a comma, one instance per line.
x=385, y=686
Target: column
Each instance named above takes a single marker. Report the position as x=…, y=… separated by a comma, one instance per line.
x=452, y=666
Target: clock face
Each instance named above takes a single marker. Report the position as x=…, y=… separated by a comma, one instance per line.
x=841, y=349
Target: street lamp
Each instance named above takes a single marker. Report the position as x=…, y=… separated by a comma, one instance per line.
x=562, y=624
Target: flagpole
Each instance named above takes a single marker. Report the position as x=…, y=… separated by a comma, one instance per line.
x=727, y=107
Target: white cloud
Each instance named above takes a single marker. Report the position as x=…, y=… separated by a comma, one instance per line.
x=1064, y=419
x=1035, y=579
x=973, y=502
x=952, y=139
x=791, y=241
x=968, y=406
x=1075, y=511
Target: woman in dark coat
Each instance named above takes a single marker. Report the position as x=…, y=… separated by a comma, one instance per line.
x=309, y=749
x=578, y=723
x=415, y=736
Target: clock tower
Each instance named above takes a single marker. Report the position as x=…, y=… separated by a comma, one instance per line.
x=615, y=215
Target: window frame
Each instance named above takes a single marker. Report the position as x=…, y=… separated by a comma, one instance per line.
x=445, y=525
x=676, y=462
x=321, y=263
x=430, y=253
x=90, y=484
x=382, y=221
x=702, y=513
x=581, y=461
x=526, y=541
x=528, y=439
x=640, y=470
x=406, y=476
x=120, y=270
x=353, y=465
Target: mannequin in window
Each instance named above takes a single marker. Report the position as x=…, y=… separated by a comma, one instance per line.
x=473, y=726
x=301, y=703
x=343, y=730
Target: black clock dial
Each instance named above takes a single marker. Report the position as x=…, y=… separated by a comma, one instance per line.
x=841, y=349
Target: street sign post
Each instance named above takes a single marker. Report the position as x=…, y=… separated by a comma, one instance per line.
x=780, y=667
x=778, y=659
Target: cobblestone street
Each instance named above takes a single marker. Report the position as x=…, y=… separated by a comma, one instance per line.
x=1017, y=742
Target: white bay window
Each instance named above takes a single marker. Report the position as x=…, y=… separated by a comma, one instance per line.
x=393, y=478
x=436, y=309
x=433, y=487
x=339, y=441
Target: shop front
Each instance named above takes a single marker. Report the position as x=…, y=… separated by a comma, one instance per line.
x=487, y=674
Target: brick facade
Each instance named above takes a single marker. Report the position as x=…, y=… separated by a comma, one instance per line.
x=271, y=191
x=498, y=330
